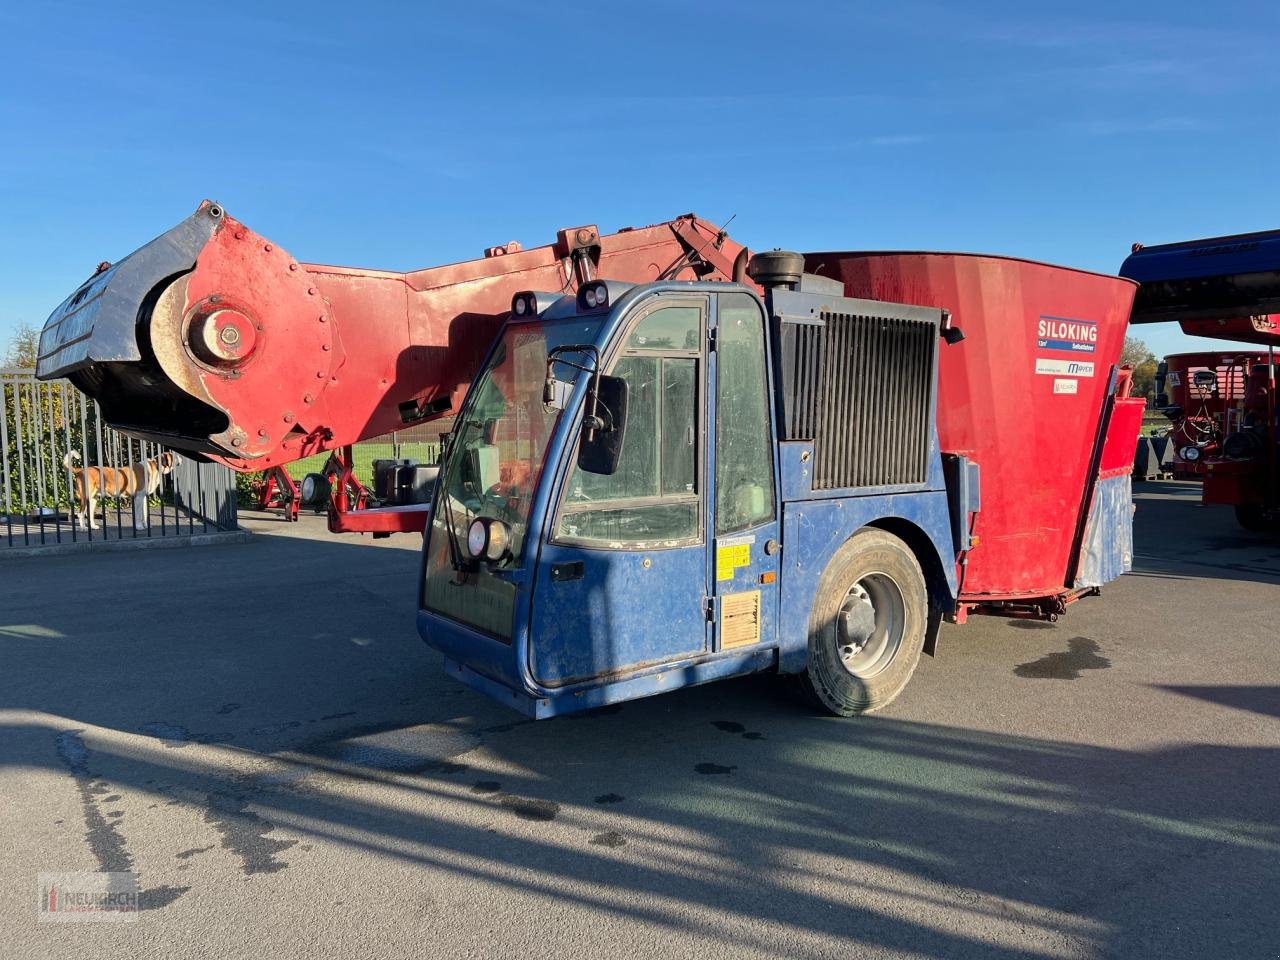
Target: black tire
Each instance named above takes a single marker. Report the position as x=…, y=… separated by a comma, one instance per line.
x=859, y=665
x=1256, y=518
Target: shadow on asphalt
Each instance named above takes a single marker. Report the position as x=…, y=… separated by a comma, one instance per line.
x=1264, y=700
x=1135, y=844
x=1073, y=829
x=1176, y=538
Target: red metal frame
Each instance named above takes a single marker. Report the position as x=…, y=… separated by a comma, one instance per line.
x=322, y=356
x=1263, y=330
x=346, y=490
x=302, y=358
x=349, y=510
x=278, y=489
x=381, y=521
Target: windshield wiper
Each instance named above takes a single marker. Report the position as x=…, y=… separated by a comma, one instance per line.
x=451, y=532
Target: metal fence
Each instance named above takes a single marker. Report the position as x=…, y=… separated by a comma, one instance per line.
x=66, y=477
x=391, y=446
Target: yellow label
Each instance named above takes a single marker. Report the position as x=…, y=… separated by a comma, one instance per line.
x=729, y=558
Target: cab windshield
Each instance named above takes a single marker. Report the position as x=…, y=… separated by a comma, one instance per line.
x=496, y=455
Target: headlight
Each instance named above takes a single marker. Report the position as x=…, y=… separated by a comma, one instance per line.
x=476, y=537
x=488, y=539
x=499, y=540
x=1190, y=454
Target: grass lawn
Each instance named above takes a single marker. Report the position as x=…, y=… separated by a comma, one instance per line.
x=1153, y=421
x=365, y=454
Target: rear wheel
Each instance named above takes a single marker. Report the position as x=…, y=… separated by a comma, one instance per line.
x=1256, y=517
x=868, y=625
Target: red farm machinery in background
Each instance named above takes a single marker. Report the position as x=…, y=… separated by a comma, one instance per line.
x=1207, y=397
x=1224, y=404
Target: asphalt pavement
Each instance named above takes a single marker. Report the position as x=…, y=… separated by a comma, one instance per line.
x=258, y=733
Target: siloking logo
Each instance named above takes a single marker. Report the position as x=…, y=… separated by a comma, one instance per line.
x=1061, y=333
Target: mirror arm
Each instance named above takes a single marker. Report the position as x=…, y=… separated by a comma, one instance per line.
x=592, y=421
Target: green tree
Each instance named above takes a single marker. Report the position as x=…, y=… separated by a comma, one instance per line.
x=1138, y=355
x=22, y=349
x=41, y=423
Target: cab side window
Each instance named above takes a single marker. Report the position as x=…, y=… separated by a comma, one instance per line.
x=744, y=447
x=654, y=495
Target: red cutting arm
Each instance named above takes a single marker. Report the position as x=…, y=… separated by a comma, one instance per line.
x=215, y=340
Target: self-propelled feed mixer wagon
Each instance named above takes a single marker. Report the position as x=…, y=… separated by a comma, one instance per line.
x=673, y=462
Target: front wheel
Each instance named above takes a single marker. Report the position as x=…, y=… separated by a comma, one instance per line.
x=868, y=625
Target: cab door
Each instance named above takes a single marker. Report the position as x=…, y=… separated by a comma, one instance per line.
x=744, y=522
x=621, y=583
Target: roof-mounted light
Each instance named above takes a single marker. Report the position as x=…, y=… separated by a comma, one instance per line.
x=530, y=303
x=594, y=295
x=524, y=304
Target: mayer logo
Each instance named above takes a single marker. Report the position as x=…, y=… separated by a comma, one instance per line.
x=1060, y=333
x=1064, y=368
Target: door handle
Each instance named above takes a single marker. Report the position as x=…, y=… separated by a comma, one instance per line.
x=567, y=571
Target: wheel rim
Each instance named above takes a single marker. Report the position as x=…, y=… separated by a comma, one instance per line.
x=869, y=626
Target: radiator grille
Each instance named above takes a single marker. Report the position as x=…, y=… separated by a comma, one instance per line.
x=861, y=387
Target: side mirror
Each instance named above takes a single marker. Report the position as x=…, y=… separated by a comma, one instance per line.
x=603, y=429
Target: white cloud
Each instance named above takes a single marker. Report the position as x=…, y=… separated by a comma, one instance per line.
x=1106, y=127
x=898, y=140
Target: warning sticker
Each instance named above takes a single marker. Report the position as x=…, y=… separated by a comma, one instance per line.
x=731, y=556
x=1063, y=333
x=1065, y=386
x=740, y=620
x=1064, y=368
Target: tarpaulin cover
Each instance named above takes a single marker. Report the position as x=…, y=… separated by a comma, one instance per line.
x=1107, y=551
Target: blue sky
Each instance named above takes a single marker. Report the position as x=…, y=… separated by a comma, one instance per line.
x=402, y=136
